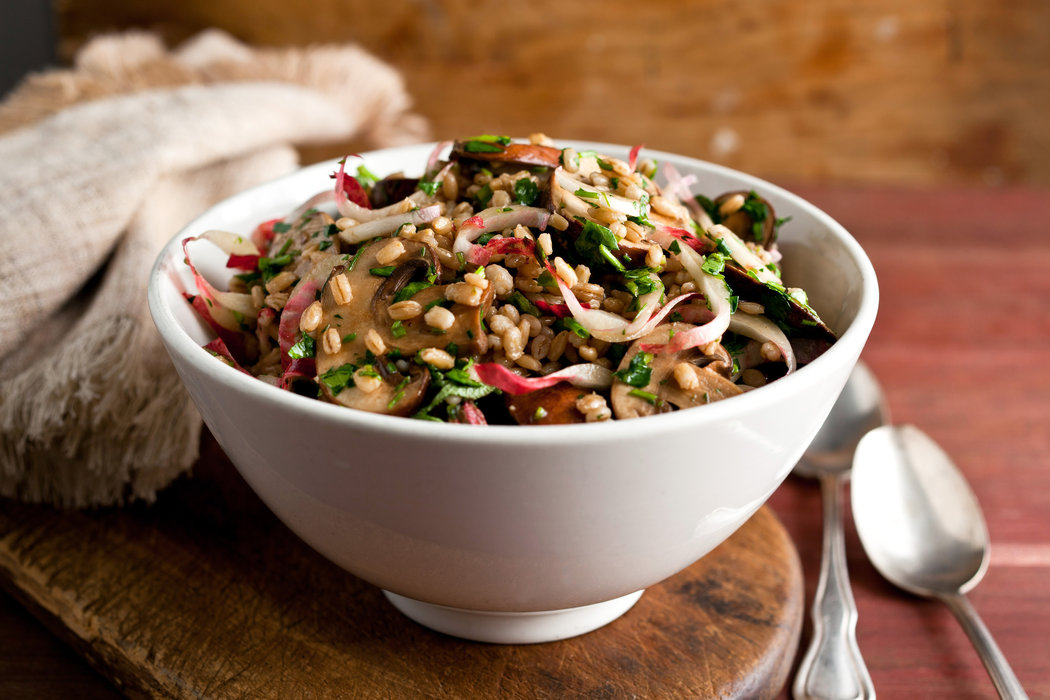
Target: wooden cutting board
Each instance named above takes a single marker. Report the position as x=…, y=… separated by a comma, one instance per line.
x=206, y=594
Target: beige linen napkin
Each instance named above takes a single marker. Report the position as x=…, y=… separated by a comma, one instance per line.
x=99, y=166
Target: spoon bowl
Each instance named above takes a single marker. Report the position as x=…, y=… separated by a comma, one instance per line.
x=923, y=530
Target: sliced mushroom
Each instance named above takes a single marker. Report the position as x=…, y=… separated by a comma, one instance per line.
x=663, y=392
x=524, y=155
x=467, y=332
x=397, y=395
x=551, y=405
x=759, y=229
x=392, y=189
x=782, y=308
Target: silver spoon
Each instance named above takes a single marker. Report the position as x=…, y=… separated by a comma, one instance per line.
x=832, y=668
x=922, y=528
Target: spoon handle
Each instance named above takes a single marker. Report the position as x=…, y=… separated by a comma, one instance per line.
x=998, y=667
x=833, y=668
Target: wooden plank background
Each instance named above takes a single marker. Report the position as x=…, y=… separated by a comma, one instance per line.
x=865, y=91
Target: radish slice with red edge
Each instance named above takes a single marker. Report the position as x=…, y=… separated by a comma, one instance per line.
x=585, y=375
x=632, y=157
x=227, y=309
x=497, y=219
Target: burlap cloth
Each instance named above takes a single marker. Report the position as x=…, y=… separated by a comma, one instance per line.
x=99, y=166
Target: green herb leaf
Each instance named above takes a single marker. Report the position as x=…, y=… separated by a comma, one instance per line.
x=365, y=177
x=411, y=289
x=714, y=264
x=429, y=187
x=522, y=303
x=338, y=378
x=398, y=330
x=651, y=398
x=638, y=371
x=526, y=191
x=382, y=271
x=483, y=196
x=595, y=245
x=303, y=347
x=571, y=324
x=281, y=227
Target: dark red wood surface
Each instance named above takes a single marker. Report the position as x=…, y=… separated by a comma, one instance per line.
x=962, y=348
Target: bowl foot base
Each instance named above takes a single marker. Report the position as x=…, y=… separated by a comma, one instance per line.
x=513, y=627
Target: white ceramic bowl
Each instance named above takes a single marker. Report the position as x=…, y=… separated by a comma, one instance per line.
x=509, y=533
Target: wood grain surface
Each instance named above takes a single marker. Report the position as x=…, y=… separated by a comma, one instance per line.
x=961, y=348
x=207, y=595
x=887, y=91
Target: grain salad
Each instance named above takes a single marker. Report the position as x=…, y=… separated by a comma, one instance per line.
x=514, y=281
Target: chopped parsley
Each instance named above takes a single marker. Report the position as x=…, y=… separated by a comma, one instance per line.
x=385, y=271
x=526, y=191
x=483, y=196
x=398, y=330
x=486, y=143
x=281, y=227
x=338, y=378
x=638, y=372
x=572, y=325
x=714, y=264
x=522, y=303
x=596, y=244
x=411, y=289
x=365, y=177
x=303, y=347
x=430, y=187
x=651, y=398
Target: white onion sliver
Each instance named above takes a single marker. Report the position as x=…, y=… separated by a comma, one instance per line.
x=435, y=156
x=608, y=200
x=381, y=227
x=762, y=329
x=313, y=203
x=230, y=243
x=356, y=211
x=742, y=254
x=228, y=309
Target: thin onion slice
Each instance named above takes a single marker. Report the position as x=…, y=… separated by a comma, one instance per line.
x=435, y=157
x=743, y=255
x=389, y=224
x=584, y=375
x=680, y=185
x=228, y=309
x=613, y=328
x=716, y=292
x=763, y=330
x=594, y=196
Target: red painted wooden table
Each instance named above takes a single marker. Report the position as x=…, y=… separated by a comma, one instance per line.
x=962, y=348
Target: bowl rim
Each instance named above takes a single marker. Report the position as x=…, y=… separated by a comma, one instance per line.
x=230, y=379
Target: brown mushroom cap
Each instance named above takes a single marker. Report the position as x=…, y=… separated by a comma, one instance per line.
x=800, y=319
x=526, y=155
x=708, y=369
x=398, y=395
x=742, y=223
x=558, y=404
